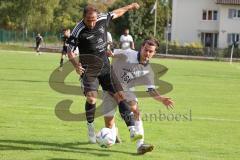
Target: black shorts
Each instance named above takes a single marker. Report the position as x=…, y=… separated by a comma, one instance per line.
x=64, y=50
x=108, y=81
x=38, y=44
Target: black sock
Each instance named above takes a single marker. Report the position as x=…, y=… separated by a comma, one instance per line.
x=90, y=111
x=126, y=113
x=61, y=62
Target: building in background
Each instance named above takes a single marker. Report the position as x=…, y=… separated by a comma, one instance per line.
x=214, y=23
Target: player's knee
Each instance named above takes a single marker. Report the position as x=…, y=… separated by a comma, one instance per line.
x=119, y=96
x=136, y=113
x=91, y=97
x=91, y=100
x=135, y=110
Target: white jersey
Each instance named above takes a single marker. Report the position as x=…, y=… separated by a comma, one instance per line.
x=130, y=72
x=126, y=41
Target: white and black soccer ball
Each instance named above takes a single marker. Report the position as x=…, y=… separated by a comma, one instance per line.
x=105, y=138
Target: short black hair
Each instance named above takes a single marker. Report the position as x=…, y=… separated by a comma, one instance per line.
x=89, y=8
x=151, y=41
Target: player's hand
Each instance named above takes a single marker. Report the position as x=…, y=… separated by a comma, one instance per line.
x=109, y=53
x=79, y=69
x=168, y=102
x=135, y=6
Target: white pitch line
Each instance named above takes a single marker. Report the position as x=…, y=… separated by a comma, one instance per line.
x=215, y=119
x=12, y=51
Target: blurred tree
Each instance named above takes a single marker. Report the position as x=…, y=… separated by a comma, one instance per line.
x=141, y=22
x=7, y=14
x=27, y=14
x=102, y=5
x=54, y=15
x=41, y=17
x=68, y=13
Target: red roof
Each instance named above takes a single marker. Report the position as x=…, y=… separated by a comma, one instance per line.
x=228, y=2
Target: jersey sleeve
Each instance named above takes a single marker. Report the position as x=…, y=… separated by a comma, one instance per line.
x=72, y=40
x=72, y=43
x=106, y=17
x=110, y=16
x=118, y=52
x=130, y=38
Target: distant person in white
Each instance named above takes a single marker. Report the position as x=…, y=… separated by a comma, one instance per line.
x=126, y=40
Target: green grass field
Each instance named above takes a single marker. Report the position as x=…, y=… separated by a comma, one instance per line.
x=30, y=130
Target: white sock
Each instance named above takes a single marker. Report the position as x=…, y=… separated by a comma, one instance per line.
x=131, y=128
x=140, y=130
x=90, y=124
x=114, y=130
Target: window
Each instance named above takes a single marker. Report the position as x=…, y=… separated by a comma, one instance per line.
x=233, y=37
x=210, y=15
x=204, y=15
x=234, y=13
x=209, y=39
x=237, y=37
x=230, y=13
x=203, y=38
x=215, y=41
x=215, y=15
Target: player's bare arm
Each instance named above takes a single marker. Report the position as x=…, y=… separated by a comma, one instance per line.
x=132, y=45
x=168, y=102
x=109, y=53
x=119, y=12
x=76, y=64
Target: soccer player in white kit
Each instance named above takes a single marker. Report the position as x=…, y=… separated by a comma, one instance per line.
x=132, y=68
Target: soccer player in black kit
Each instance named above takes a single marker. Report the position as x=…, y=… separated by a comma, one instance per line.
x=90, y=36
x=66, y=35
x=39, y=41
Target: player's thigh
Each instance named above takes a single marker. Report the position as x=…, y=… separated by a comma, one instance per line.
x=110, y=83
x=131, y=99
x=89, y=83
x=109, y=105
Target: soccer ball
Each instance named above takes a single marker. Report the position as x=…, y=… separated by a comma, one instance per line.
x=105, y=138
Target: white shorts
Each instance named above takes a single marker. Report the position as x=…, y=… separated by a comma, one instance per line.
x=110, y=105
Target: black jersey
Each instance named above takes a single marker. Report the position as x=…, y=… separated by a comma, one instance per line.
x=92, y=41
x=39, y=39
x=65, y=40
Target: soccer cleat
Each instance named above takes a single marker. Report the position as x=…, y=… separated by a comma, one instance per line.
x=60, y=69
x=134, y=136
x=144, y=148
x=91, y=133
